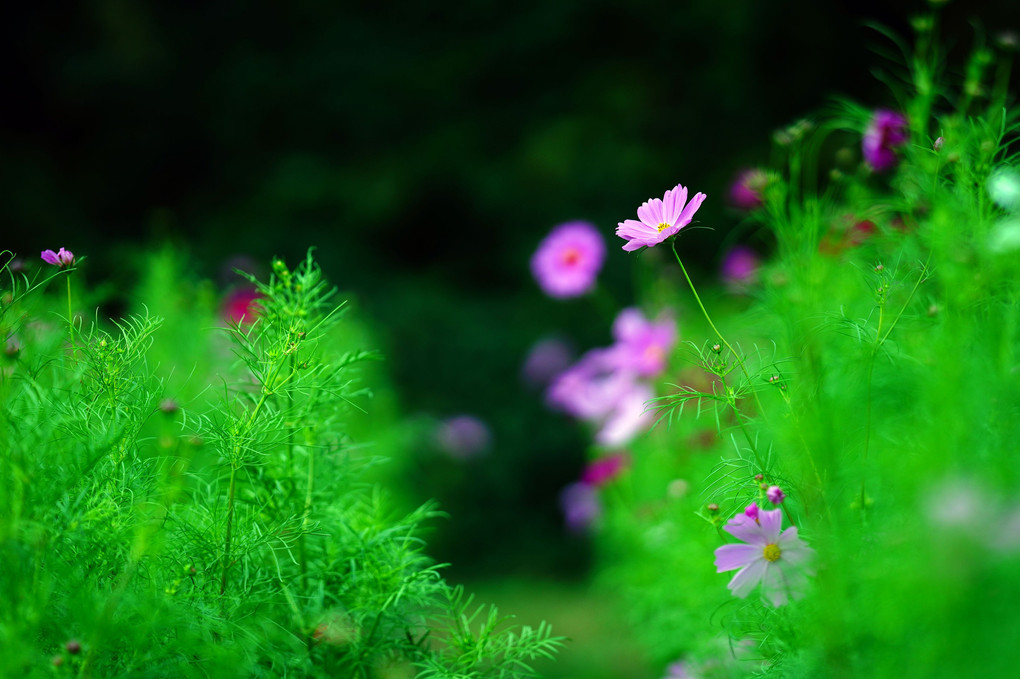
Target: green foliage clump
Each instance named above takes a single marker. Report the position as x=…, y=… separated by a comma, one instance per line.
x=211, y=516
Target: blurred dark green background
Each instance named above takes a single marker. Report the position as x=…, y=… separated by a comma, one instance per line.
x=425, y=148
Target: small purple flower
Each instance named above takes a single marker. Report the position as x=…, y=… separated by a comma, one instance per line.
x=775, y=495
x=886, y=132
x=463, y=437
x=774, y=559
x=642, y=345
x=603, y=470
x=62, y=258
x=568, y=260
x=746, y=189
x=660, y=219
x=581, y=506
x=546, y=359
x=739, y=268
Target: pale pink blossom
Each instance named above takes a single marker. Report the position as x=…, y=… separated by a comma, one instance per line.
x=659, y=219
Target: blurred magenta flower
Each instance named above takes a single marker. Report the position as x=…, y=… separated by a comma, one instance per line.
x=581, y=506
x=886, y=132
x=242, y=305
x=774, y=559
x=739, y=268
x=660, y=219
x=775, y=495
x=642, y=345
x=62, y=258
x=603, y=470
x=568, y=260
x=547, y=358
x=751, y=511
x=463, y=437
x=746, y=189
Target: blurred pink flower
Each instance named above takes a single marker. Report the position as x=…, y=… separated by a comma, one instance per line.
x=463, y=437
x=775, y=495
x=746, y=189
x=739, y=268
x=591, y=387
x=774, y=559
x=660, y=219
x=886, y=132
x=642, y=345
x=628, y=418
x=568, y=260
x=242, y=305
x=546, y=359
x=62, y=258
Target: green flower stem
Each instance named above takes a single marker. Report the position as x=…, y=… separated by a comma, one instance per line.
x=70, y=317
x=230, y=525
x=718, y=334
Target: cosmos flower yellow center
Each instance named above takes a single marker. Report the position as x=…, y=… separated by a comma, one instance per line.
x=772, y=552
x=663, y=226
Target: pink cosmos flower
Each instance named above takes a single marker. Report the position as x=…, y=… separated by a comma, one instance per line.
x=62, y=258
x=660, y=219
x=775, y=495
x=745, y=191
x=568, y=260
x=886, y=132
x=642, y=345
x=769, y=557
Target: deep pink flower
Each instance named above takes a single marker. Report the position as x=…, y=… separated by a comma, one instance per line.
x=739, y=268
x=746, y=189
x=775, y=495
x=660, y=219
x=603, y=470
x=62, y=258
x=751, y=511
x=463, y=437
x=886, y=132
x=242, y=305
x=776, y=560
x=642, y=345
x=568, y=260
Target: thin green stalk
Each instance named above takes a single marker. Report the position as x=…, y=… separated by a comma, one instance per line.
x=70, y=318
x=722, y=339
x=230, y=525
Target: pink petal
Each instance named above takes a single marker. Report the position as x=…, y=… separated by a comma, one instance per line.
x=746, y=578
x=650, y=212
x=688, y=213
x=771, y=523
x=732, y=557
x=775, y=587
x=678, y=197
x=633, y=229
x=747, y=529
